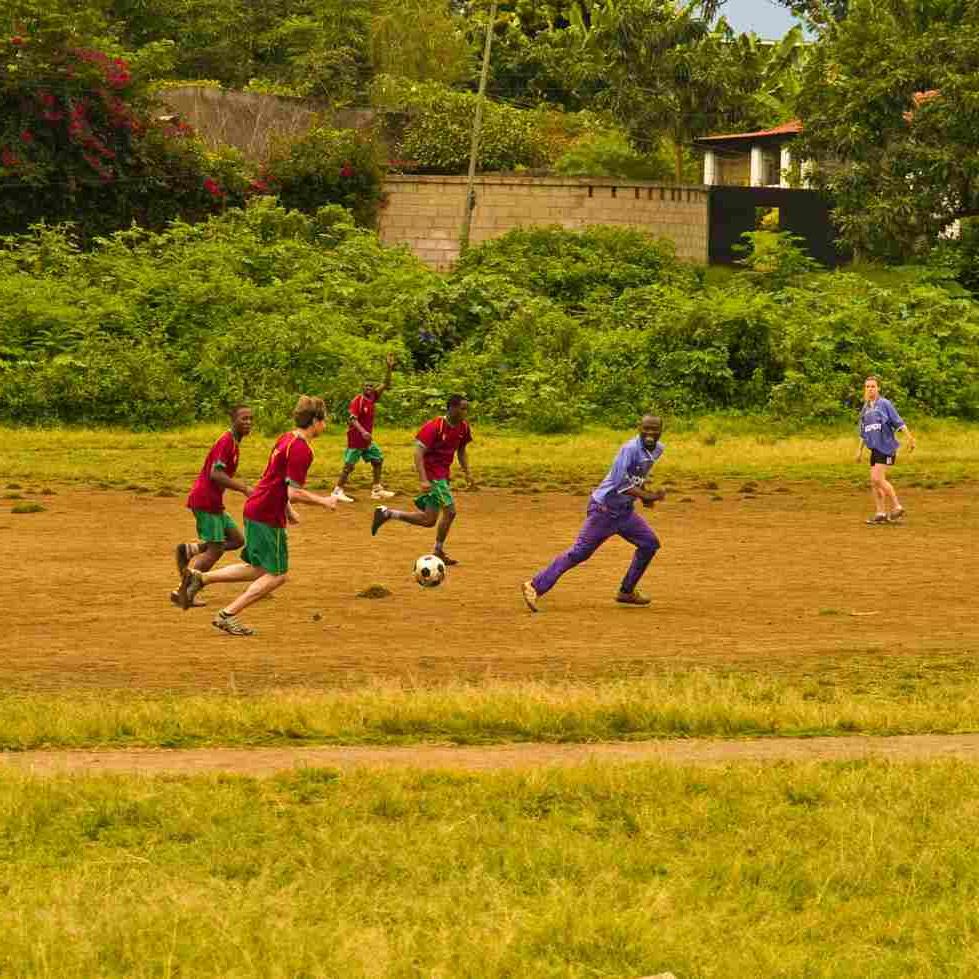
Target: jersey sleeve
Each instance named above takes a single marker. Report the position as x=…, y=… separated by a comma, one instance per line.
x=353, y=409
x=298, y=463
x=224, y=452
x=428, y=434
x=620, y=469
x=895, y=420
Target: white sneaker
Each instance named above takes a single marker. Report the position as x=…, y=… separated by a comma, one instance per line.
x=338, y=494
x=380, y=493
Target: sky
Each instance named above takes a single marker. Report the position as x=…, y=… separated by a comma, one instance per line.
x=765, y=17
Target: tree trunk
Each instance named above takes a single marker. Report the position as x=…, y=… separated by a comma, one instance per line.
x=678, y=160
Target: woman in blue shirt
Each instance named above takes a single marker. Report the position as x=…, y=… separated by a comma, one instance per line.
x=879, y=421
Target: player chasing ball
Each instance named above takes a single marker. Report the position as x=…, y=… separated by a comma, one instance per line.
x=265, y=559
x=879, y=421
x=360, y=439
x=437, y=443
x=610, y=512
x=216, y=531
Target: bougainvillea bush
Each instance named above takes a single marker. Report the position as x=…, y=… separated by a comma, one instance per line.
x=81, y=141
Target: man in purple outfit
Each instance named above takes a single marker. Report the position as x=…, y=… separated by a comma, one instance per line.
x=610, y=512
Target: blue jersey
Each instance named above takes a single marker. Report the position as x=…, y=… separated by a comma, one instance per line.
x=630, y=469
x=878, y=423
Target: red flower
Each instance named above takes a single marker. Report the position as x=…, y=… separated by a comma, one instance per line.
x=213, y=188
x=8, y=158
x=17, y=40
x=27, y=137
x=259, y=187
x=346, y=170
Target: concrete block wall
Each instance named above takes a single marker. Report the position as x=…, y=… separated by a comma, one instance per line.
x=426, y=213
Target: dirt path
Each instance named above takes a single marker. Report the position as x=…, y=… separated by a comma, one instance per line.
x=511, y=757
x=787, y=574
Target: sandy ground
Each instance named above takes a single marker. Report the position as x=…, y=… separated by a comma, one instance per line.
x=493, y=758
x=784, y=576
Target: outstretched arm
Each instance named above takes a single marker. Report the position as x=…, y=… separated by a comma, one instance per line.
x=299, y=495
x=389, y=364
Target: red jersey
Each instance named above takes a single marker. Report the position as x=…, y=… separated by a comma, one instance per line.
x=288, y=464
x=205, y=494
x=442, y=441
x=362, y=408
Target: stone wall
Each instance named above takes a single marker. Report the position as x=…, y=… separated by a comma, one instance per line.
x=426, y=213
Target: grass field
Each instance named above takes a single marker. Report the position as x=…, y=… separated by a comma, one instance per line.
x=711, y=448
x=776, y=613
x=843, y=870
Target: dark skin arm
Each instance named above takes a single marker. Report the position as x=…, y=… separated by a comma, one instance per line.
x=420, y=451
x=389, y=366
x=645, y=496
x=219, y=476
x=464, y=464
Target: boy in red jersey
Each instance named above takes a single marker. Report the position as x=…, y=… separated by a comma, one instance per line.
x=216, y=531
x=436, y=445
x=268, y=509
x=360, y=439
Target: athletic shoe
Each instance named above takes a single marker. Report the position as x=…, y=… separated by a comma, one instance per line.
x=381, y=517
x=877, y=520
x=339, y=494
x=380, y=493
x=230, y=625
x=175, y=598
x=190, y=585
x=896, y=515
x=183, y=558
x=632, y=598
x=529, y=595
x=449, y=562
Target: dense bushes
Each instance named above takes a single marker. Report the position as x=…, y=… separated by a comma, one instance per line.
x=543, y=328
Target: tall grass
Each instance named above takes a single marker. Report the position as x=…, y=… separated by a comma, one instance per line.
x=898, y=696
x=843, y=870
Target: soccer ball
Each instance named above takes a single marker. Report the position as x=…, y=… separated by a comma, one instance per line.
x=429, y=571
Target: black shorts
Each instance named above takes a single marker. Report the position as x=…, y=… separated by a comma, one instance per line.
x=879, y=459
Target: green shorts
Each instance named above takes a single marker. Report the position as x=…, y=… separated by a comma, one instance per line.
x=371, y=454
x=437, y=498
x=266, y=547
x=213, y=528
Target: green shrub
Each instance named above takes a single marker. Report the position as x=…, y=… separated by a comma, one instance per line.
x=610, y=154
x=326, y=166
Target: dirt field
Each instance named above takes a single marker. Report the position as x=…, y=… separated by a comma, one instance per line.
x=784, y=576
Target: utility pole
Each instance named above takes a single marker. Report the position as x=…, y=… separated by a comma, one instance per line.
x=477, y=128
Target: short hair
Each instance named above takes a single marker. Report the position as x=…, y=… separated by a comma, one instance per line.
x=308, y=410
x=234, y=409
x=872, y=377
x=455, y=399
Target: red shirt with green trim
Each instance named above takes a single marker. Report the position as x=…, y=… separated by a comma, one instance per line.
x=288, y=465
x=442, y=441
x=361, y=408
x=205, y=494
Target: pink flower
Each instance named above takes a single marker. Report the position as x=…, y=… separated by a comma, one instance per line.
x=347, y=170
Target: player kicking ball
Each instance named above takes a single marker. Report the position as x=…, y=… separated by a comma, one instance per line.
x=610, y=512
x=360, y=439
x=437, y=444
x=265, y=559
x=216, y=531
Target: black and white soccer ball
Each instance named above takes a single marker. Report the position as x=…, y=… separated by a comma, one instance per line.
x=429, y=571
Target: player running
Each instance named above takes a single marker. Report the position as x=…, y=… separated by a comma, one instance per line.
x=610, y=512
x=216, y=531
x=360, y=439
x=265, y=559
x=879, y=421
x=437, y=443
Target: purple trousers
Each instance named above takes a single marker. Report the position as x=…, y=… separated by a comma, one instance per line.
x=598, y=527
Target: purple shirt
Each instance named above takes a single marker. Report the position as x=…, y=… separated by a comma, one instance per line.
x=630, y=469
x=878, y=423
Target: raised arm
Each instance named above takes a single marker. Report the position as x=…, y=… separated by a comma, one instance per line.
x=389, y=366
